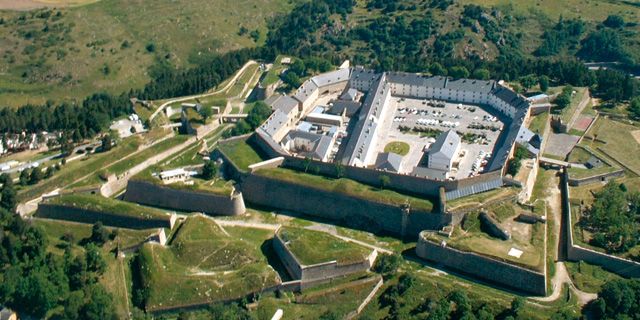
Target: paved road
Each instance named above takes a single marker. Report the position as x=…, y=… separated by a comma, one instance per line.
x=225, y=88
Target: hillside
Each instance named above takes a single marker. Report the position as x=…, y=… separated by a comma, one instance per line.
x=70, y=53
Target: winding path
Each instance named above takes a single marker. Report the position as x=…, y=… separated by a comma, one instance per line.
x=206, y=94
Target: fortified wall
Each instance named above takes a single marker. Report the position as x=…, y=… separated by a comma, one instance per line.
x=68, y=213
x=481, y=267
x=184, y=200
x=399, y=182
x=355, y=212
x=623, y=267
x=310, y=275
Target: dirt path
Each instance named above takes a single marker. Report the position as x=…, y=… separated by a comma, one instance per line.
x=225, y=88
x=561, y=276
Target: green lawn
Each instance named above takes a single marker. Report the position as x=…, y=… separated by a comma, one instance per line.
x=539, y=122
x=204, y=265
x=398, y=147
x=567, y=113
x=347, y=187
x=312, y=247
x=108, y=205
x=620, y=143
x=241, y=153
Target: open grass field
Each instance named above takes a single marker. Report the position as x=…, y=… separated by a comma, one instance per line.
x=203, y=265
x=313, y=247
x=109, y=45
x=620, y=142
x=580, y=155
x=398, y=147
x=538, y=123
x=348, y=187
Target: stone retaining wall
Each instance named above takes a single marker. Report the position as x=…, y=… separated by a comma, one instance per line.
x=184, y=200
x=311, y=275
x=620, y=266
x=487, y=269
x=575, y=182
x=68, y=213
x=352, y=211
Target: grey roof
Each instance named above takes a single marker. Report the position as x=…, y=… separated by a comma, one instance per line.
x=364, y=131
x=269, y=101
x=305, y=90
x=349, y=94
x=389, y=161
x=332, y=77
x=365, y=75
x=446, y=144
x=284, y=103
x=430, y=173
x=474, y=188
x=509, y=96
x=321, y=143
x=339, y=106
x=273, y=145
x=275, y=122
x=478, y=86
x=414, y=79
x=505, y=142
x=593, y=162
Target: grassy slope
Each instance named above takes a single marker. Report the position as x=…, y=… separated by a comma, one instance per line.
x=193, y=269
x=92, y=36
x=108, y=205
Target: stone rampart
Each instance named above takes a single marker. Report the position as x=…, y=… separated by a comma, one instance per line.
x=311, y=275
x=184, y=200
x=484, y=268
x=623, y=267
x=575, y=182
x=348, y=210
x=68, y=213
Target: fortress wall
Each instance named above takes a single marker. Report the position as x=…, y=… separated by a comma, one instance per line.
x=338, y=207
x=184, y=200
x=484, y=268
x=620, y=266
x=290, y=262
x=574, y=182
x=67, y=213
x=311, y=275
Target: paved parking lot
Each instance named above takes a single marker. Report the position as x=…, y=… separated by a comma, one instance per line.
x=416, y=113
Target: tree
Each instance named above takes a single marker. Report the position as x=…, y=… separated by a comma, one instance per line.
x=99, y=305
x=387, y=264
x=339, y=170
x=8, y=198
x=528, y=81
x=24, y=177
x=385, y=181
x=481, y=74
x=517, y=305
x=618, y=299
x=95, y=262
x=634, y=108
x=35, y=176
x=209, y=170
x=543, y=81
x=206, y=113
x=459, y=72
x=614, y=21
x=106, y=143
x=99, y=234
